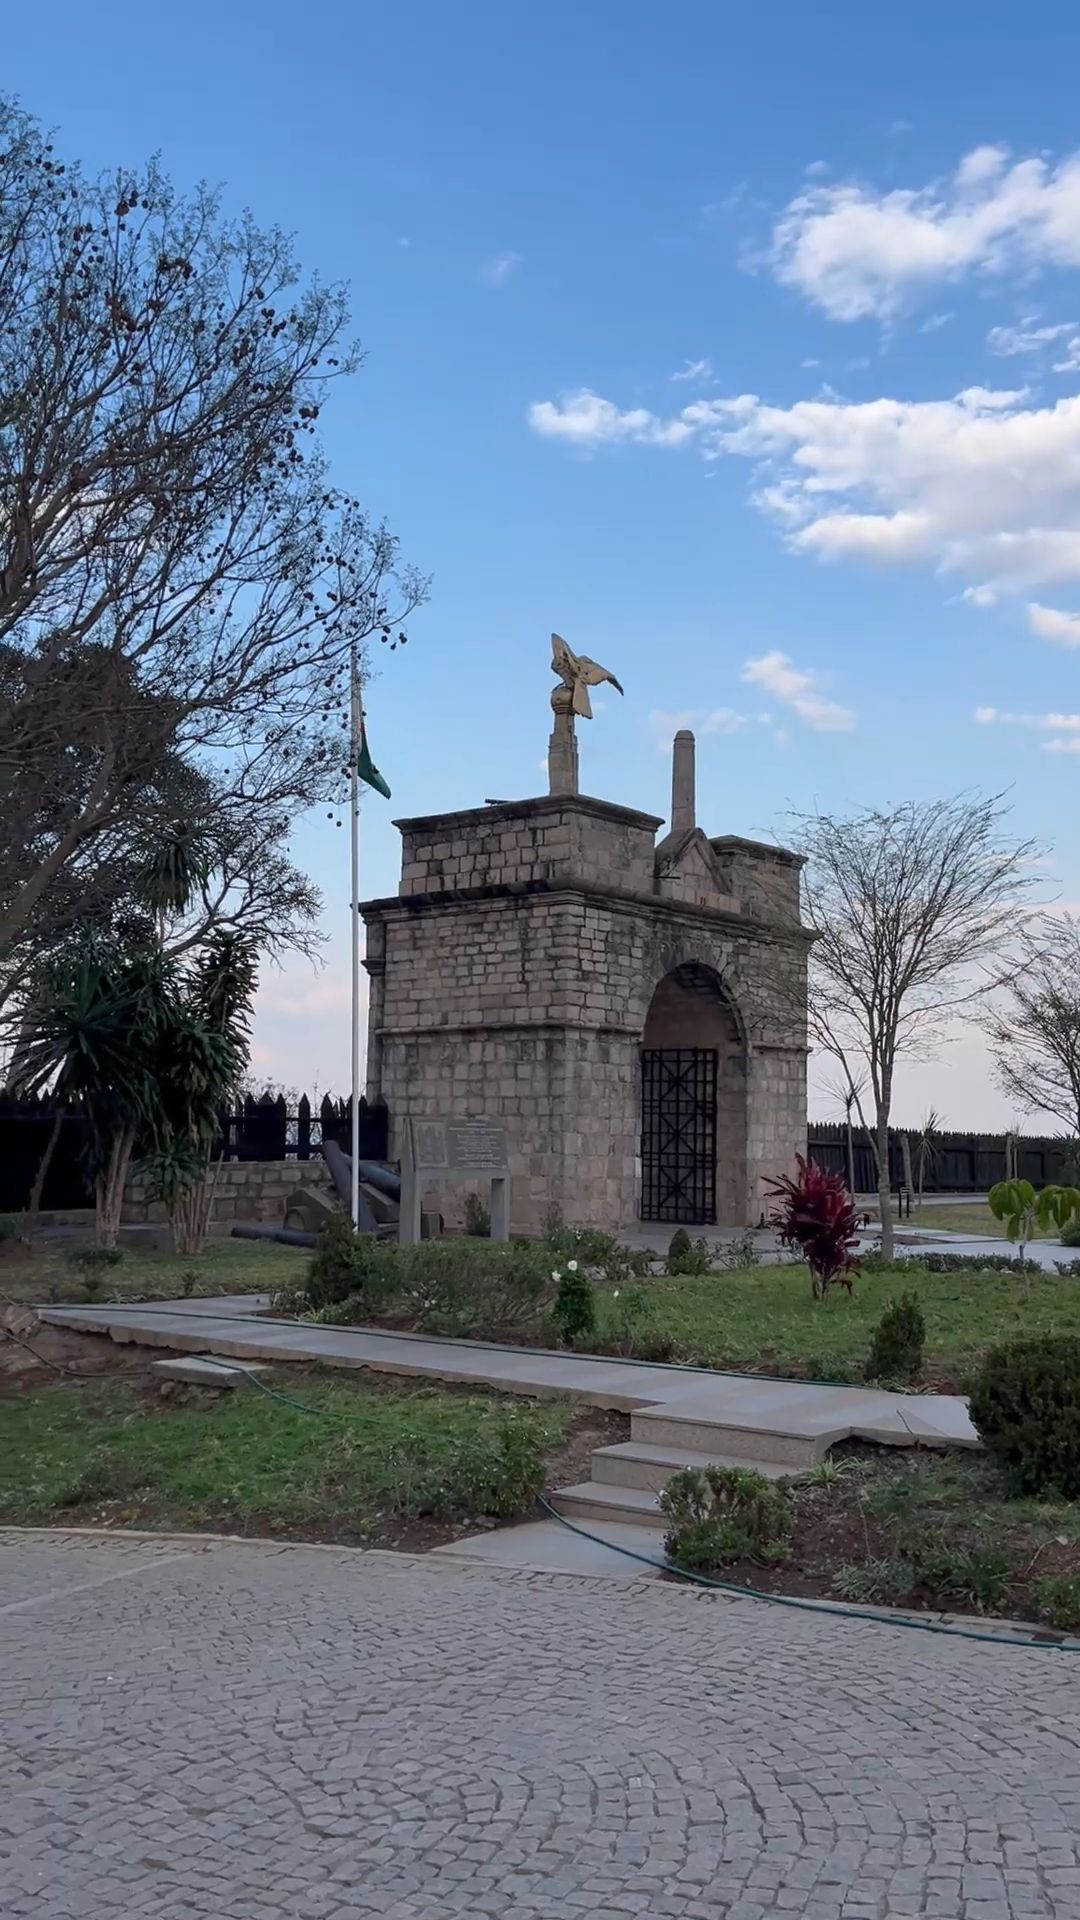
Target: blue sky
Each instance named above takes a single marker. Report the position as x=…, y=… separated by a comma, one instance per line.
x=832, y=223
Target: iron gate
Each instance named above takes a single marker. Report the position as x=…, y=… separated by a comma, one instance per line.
x=678, y=1134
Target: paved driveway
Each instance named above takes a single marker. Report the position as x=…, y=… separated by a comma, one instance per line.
x=244, y=1733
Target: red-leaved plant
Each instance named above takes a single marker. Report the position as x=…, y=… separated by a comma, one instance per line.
x=816, y=1213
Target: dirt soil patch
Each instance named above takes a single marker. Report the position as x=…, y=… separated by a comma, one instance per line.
x=927, y=1531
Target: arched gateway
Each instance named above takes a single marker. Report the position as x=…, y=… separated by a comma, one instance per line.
x=634, y=1012
x=693, y=1102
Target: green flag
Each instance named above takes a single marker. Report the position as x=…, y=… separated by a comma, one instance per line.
x=366, y=769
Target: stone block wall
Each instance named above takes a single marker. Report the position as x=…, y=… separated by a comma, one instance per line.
x=531, y=1008
x=253, y=1191
x=558, y=838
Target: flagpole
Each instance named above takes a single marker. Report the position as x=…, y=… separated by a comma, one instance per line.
x=354, y=810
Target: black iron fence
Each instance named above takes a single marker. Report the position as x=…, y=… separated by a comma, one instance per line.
x=265, y=1129
x=956, y=1162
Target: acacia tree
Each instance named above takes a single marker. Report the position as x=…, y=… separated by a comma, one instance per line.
x=1034, y=1029
x=177, y=574
x=913, y=909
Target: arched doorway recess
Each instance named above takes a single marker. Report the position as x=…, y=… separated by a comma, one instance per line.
x=693, y=1103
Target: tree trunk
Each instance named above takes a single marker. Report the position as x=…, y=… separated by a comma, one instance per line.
x=884, y=1189
x=909, y=1178
x=40, y=1178
x=850, y=1157
x=110, y=1189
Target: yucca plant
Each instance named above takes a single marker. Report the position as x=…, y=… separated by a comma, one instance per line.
x=91, y=1036
x=816, y=1214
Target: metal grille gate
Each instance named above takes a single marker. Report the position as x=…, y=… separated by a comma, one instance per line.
x=678, y=1134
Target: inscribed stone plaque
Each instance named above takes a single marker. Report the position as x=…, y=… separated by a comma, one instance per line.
x=429, y=1144
x=476, y=1146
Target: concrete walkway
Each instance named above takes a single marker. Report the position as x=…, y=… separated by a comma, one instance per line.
x=689, y=1397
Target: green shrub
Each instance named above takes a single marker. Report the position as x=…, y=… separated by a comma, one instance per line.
x=688, y=1257
x=1025, y=1402
x=974, y=1577
x=678, y=1245
x=498, y=1468
x=1069, y=1268
x=470, y=1289
x=867, y=1581
x=1070, y=1234
x=477, y=1217
x=627, y=1331
x=738, y=1254
x=95, y=1259
x=720, y=1514
x=1057, y=1596
x=896, y=1350
x=977, y=1263
x=346, y=1263
x=10, y=1227
x=574, y=1309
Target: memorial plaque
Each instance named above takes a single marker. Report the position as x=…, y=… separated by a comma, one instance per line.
x=476, y=1146
x=429, y=1144
x=454, y=1150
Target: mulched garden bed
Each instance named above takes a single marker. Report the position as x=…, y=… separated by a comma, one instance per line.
x=926, y=1531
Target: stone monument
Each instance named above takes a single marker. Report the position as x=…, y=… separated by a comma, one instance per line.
x=631, y=1011
x=434, y=1151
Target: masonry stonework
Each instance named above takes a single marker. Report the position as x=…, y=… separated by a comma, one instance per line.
x=529, y=948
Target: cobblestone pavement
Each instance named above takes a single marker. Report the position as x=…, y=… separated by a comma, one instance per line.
x=264, y=1733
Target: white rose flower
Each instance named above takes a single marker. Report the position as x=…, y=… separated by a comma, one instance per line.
x=571, y=1266
x=555, y=1276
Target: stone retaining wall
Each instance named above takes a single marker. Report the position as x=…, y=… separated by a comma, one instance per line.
x=250, y=1190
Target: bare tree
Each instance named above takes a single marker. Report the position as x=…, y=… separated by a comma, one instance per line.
x=912, y=908
x=176, y=571
x=1034, y=1028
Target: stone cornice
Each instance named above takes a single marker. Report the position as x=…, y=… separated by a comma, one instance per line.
x=657, y=906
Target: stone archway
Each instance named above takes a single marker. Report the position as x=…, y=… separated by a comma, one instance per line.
x=693, y=1102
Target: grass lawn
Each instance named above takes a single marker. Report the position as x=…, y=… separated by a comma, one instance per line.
x=374, y=1461
x=763, y=1319
x=226, y=1266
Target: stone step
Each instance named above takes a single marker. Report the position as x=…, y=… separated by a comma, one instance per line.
x=592, y=1500
x=636, y=1463
x=206, y=1370
x=755, y=1446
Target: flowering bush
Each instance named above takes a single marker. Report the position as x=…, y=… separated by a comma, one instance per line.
x=816, y=1213
x=574, y=1311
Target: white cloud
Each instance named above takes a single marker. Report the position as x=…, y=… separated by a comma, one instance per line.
x=798, y=688
x=585, y=420
x=700, y=720
x=1040, y=722
x=858, y=252
x=1050, y=623
x=982, y=485
x=496, y=272
x=1026, y=337
x=980, y=596
x=694, y=370
x=1071, y=745
x=936, y=321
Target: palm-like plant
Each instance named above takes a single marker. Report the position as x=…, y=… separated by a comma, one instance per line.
x=926, y=1148
x=92, y=1036
x=201, y=1055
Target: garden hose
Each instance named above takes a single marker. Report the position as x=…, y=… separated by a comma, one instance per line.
x=1042, y=1643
